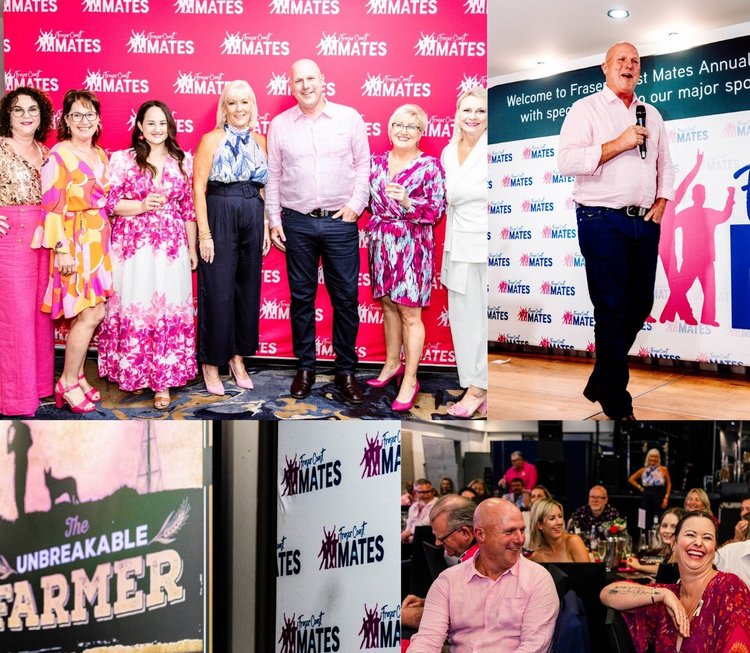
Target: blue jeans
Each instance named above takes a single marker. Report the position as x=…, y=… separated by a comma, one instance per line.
x=621, y=254
x=308, y=240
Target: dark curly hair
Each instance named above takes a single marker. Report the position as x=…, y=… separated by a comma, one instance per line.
x=46, y=112
x=140, y=145
x=86, y=97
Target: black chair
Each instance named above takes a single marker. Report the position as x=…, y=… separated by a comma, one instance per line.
x=421, y=578
x=561, y=580
x=618, y=635
x=435, y=557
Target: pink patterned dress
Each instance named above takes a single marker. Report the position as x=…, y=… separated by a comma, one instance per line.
x=402, y=243
x=147, y=339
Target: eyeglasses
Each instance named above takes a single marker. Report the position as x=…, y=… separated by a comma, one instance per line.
x=399, y=126
x=597, y=496
x=77, y=117
x=430, y=491
x=442, y=538
x=20, y=112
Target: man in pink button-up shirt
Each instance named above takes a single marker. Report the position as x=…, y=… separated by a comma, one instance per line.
x=318, y=185
x=623, y=179
x=497, y=602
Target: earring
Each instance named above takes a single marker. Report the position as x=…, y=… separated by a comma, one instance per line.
x=140, y=137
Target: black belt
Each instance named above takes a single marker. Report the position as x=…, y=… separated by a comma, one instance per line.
x=315, y=213
x=630, y=211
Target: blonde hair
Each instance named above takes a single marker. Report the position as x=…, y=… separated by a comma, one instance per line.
x=650, y=452
x=539, y=512
x=702, y=496
x=236, y=85
x=479, y=92
x=413, y=110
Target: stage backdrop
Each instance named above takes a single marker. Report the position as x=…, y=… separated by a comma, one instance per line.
x=375, y=55
x=338, y=547
x=102, y=537
x=538, y=293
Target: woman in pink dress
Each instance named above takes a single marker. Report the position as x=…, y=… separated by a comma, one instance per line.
x=27, y=360
x=407, y=198
x=75, y=182
x=147, y=339
x=706, y=611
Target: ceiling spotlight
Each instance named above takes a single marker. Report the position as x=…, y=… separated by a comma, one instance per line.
x=618, y=14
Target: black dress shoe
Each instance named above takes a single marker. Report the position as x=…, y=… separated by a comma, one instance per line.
x=349, y=387
x=302, y=384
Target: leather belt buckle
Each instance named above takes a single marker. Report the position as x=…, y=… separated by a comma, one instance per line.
x=635, y=211
x=321, y=213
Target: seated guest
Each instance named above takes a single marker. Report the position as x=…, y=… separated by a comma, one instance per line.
x=498, y=601
x=446, y=486
x=469, y=493
x=518, y=494
x=741, y=530
x=519, y=468
x=408, y=497
x=452, y=519
x=419, y=511
x=707, y=610
x=549, y=541
x=735, y=558
x=596, y=512
x=666, y=532
x=697, y=500
x=539, y=492
x=478, y=485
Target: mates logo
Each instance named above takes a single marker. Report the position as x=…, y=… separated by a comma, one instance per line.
x=557, y=288
x=500, y=208
x=499, y=157
x=498, y=261
x=108, y=82
x=66, y=42
x=304, y=7
x=30, y=6
x=512, y=181
x=448, y=45
x=382, y=85
x=556, y=232
x=514, y=288
x=164, y=43
x=538, y=152
x=370, y=314
x=308, y=635
x=287, y=560
x=496, y=313
x=253, y=44
x=279, y=85
x=470, y=81
x=401, y=7
x=439, y=127
x=16, y=78
x=382, y=454
x=381, y=628
x=574, y=260
x=535, y=261
x=116, y=6
x=534, y=315
x=554, y=177
x=342, y=547
x=310, y=473
x=578, y=318
x=511, y=339
x=350, y=45
x=199, y=83
x=537, y=206
x=218, y=7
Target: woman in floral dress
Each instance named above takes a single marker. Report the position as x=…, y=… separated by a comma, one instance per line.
x=407, y=198
x=147, y=339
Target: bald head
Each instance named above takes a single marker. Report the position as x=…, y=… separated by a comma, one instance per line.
x=622, y=69
x=306, y=83
x=495, y=512
x=617, y=46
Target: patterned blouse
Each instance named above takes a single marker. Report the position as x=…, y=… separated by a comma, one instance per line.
x=238, y=158
x=20, y=182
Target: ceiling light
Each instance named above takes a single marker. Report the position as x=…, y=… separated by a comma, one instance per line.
x=618, y=14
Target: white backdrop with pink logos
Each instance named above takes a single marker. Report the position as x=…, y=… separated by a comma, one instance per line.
x=375, y=55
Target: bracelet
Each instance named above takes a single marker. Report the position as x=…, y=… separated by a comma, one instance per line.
x=206, y=235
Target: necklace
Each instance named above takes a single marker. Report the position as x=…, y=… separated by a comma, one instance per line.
x=693, y=608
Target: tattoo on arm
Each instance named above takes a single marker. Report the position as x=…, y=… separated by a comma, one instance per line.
x=637, y=590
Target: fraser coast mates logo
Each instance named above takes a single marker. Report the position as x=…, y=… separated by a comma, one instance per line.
x=213, y=7
x=557, y=288
x=557, y=231
x=515, y=180
x=470, y=81
x=573, y=260
x=114, y=82
x=287, y=559
x=538, y=152
x=116, y=6
x=500, y=208
x=350, y=45
x=279, y=85
x=535, y=260
x=513, y=287
x=439, y=127
x=308, y=634
x=30, y=6
x=554, y=177
x=537, y=205
x=536, y=315
x=59, y=41
x=310, y=472
x=515, y=233
x=402, y=7
x=199, y=83
x=162, y=43
x=382, y=454
x=448, y=45
x=370, y=314
x=304, y=7
x=253, y=44
x=498, y=261
x=382, y=85
x=350, y=546
x=16, y=78
x=381, y=627
x=578, y=318
x=496, y=313
x=500, y=156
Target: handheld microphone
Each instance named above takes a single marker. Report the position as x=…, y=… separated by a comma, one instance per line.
x=640, y=120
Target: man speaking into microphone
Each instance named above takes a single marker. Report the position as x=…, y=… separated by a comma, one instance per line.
x=623, y=179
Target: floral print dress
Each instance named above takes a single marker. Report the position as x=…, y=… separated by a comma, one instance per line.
x=147, y=339
x=402, y=243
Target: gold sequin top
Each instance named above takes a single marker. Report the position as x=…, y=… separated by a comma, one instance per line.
x=20, y=182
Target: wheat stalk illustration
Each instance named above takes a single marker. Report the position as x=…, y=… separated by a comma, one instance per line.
x=173, y=524
x=5, y=569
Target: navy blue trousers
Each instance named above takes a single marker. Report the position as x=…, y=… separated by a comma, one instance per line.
x=308, y=241
x=621, y=254
x=229, y=288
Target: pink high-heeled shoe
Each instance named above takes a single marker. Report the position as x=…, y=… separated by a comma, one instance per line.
x=460, y=411
x=92, y=394
x=245, y=384
x=398, y=375
x=401, y=406
x=214, y=388
x=61, y=391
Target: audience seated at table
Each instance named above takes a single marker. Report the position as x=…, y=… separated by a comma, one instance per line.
x=667, y=527
x=595, y=513
x=419, y=512
x=549, y=541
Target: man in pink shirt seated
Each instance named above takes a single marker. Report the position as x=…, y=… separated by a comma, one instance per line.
x=519, y=468
x=623, y=179
x=318, y=185
x=497, y=602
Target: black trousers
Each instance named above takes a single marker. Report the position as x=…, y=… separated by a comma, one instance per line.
x=229, y=288
x=308, y=240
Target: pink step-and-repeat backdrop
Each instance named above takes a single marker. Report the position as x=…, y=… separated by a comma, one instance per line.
x=374, y=54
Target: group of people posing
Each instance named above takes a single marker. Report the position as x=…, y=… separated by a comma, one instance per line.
x=111, y=242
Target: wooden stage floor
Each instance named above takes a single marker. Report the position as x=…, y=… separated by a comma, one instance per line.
x=530, y=386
